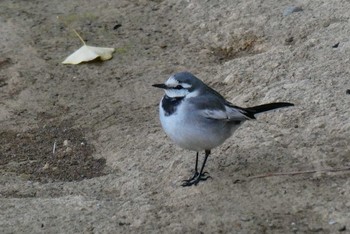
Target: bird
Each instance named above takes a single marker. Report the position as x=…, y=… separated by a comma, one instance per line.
x=198, y=118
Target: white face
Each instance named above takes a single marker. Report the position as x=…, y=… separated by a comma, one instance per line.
x=176, y=92
x=176, y=89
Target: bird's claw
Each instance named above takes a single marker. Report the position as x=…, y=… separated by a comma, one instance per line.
x=196, y=179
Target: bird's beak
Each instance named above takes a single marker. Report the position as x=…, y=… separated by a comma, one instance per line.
x=162, y=86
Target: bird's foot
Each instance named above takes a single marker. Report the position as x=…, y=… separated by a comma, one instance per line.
x=194, y=180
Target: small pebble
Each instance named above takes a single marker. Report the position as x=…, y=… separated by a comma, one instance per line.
x=68, y=150
x=290, y=10
x=289, y=40
x=331, y=222
x=245, y=219
x=46, y=166
x=326, y=24
x=116, y=26
x=65, y=142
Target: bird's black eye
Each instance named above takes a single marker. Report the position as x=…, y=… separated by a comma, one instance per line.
x=178, y=87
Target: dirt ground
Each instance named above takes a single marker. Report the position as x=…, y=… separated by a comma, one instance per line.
x=113, y=170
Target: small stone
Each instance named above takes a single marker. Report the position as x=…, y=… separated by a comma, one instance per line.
x=289, y=40
x=163, y=45
x=326, y=24
x=69, y=149
x=332, y=222
x=117, y=26
x=65, y=142
x=245, y=219
x=46, y=166
x=291, y=9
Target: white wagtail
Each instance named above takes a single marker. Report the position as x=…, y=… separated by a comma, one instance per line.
x=198, y=118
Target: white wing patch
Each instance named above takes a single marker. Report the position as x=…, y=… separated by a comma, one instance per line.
x=214, y=114
x=235, y=114
x=229, y=114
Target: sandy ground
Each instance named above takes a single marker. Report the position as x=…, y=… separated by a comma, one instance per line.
x=115, y=171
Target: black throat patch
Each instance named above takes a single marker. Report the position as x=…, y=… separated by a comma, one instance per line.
x=170, y=104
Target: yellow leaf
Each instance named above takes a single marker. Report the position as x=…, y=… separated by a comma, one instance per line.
x=87, y=53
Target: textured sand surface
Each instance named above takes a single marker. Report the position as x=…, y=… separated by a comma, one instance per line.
x=115, y=171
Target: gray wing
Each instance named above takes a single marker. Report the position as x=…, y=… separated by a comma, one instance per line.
x=216, y=107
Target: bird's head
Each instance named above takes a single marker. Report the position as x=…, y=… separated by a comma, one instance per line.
x=182, y=84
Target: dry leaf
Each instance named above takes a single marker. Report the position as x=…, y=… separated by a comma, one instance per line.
x=87, y=53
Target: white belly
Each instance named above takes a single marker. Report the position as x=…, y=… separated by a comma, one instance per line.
x=193, y=132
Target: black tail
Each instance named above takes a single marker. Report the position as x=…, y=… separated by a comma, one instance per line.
x=251, y=111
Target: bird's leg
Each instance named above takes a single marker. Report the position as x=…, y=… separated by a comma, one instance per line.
x=196, y=173
x=198, y=176
x=202, y=173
